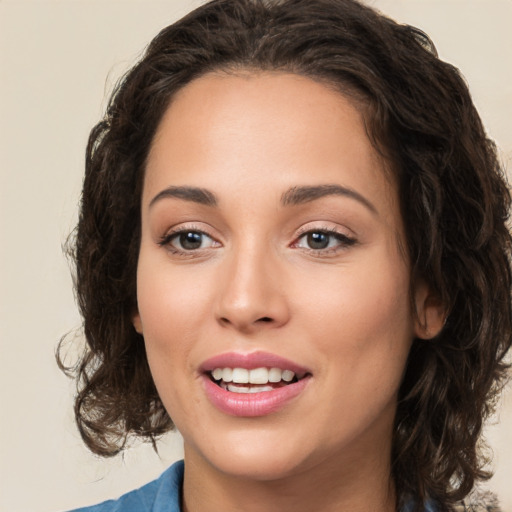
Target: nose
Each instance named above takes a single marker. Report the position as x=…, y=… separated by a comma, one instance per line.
x=252, y=296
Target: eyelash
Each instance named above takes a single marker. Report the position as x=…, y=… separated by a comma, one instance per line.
x=167, y=239
x=343, y=240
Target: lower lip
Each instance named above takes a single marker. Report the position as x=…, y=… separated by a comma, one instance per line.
x=253, y=404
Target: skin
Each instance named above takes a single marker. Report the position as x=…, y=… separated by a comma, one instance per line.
x=255, y=283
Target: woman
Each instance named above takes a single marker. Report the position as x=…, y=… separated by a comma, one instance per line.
x=292, y=247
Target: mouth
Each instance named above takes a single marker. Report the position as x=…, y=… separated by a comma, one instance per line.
x=253, y=384
x=255, y=380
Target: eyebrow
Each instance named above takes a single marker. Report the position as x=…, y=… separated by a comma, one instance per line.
x=193, y=194
x=292, y=197
x=305, y=194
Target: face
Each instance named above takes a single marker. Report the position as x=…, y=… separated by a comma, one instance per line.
x=273, y=296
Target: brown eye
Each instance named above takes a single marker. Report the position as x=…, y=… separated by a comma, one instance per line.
x=322, y=240
x=190, y=240
x=317, y=240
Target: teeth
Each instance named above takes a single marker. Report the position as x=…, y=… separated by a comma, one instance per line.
x=227, y=374
x=274, y=375
x=244, y=389
x=288, y=375
x=240, y=375
x=258, y=376
x=255, y=376
x=217, y=373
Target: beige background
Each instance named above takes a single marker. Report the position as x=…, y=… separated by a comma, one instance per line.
x=55, y=57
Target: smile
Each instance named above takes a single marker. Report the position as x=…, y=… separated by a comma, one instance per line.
x=255, y=384
x=257, y=380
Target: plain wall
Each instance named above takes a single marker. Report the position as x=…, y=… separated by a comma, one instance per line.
x=59, y=60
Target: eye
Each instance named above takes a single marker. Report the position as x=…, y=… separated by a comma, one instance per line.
x=188, y=240
x=321, y=240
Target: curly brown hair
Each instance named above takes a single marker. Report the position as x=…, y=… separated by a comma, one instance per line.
x=454, y=202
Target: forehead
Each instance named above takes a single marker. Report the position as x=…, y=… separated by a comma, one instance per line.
x=264, y=129
x=259, y=99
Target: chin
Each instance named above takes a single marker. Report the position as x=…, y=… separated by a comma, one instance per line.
x=257, y=454
x=261, y=466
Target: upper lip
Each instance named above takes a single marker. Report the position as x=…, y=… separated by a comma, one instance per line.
x=251, y=361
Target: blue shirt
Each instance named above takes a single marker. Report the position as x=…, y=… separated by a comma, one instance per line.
x=160, y=495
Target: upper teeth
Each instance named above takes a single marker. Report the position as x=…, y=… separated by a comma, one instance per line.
x=255, y=376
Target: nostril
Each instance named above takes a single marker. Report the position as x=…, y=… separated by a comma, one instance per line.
x=244, y=323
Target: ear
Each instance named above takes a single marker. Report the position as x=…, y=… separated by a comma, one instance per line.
x=430, y=311
x=136, y=321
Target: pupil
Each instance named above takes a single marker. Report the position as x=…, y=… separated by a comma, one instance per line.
x=190, y=240
x=318, y=240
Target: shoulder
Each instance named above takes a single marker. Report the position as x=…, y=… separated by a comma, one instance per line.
x=162, y=494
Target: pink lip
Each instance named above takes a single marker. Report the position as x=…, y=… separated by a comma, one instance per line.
x=252, y=404
x=251, y=361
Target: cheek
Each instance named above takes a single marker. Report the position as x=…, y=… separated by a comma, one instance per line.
x=359, y=299
x=168, y=298
x=166, y=304
x=173, y=304
x=362, y=320
x=160, y=305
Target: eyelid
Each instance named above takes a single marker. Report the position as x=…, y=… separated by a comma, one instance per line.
x=166, y=239
x=326, y=227
x=345, y=239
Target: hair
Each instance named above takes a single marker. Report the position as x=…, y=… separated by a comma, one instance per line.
x=454, y=202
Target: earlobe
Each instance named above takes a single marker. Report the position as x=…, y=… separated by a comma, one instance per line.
x=430, y=312
x=137, y=323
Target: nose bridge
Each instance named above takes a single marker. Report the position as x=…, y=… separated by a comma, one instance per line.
x=251, y=295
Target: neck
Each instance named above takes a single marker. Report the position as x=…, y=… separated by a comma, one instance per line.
x=330, y=486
